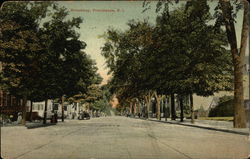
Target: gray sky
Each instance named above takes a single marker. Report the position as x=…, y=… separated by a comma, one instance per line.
x=100, y=15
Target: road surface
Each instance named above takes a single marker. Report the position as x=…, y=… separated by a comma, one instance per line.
x=120, y=138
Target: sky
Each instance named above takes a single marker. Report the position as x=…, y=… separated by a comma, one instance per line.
x=98, y=16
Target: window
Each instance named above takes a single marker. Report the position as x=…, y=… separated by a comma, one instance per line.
x=40, y=106
x=35, y=107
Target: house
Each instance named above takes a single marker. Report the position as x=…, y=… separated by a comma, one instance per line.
x=71, y=111
x=10, y=105
x=40, y=106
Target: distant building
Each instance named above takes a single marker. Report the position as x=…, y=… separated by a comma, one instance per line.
x=40, y=106
x=209, y=101
x=9, y=104
x=71, y=111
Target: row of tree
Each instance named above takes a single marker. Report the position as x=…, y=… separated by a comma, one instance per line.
x=41, y=55
x=95, y=99
x=183, y=53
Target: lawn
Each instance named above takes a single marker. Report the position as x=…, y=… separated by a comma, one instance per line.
x=230, y=118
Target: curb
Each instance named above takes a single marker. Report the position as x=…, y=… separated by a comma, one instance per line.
x=11, y=125
x=198, y=126
x=204, y=127
x=32, y=126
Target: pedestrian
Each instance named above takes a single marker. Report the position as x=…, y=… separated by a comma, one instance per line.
x=19, y=118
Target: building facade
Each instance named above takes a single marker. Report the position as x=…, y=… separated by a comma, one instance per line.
x=71, y=111
x=9, y=104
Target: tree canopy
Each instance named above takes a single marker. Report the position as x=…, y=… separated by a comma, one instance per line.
x=41, y=54
x=182, y=53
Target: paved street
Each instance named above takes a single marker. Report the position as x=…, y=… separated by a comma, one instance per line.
x=120, y=138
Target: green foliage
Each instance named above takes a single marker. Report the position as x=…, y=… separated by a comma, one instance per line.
x=123, y=56
x=20, y=45
x=183, y=54
x=41, y=54
x=102, y=103
x=190, y=45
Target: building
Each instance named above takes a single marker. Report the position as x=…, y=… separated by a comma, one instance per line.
x=9, y=104
x=71, y=111
x=40, y=106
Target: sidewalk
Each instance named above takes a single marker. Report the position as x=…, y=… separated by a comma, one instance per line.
x=32, y=125
x=28, y=125
x=223, y=126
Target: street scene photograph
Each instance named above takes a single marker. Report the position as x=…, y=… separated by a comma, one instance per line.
x=140, y=79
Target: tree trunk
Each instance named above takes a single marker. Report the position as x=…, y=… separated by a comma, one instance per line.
x=62, y=108
x=148, y=105
x=182, y=108
x=45, y=112
x=158, y=105
x=145, y=104
x=249, y=74
x=135, y=107
x=238, y=59
x=31, y=107
x=166, y=108
x=139, y=108
x=173, y=113
x=192, y=108
x=131, y=108
x=88, y=108
x=24, y=110
x=148, y=100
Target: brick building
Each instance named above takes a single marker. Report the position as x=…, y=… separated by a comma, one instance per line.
x=9, y=105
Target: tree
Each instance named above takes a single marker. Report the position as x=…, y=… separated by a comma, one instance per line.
x=103, y=103
x=189, y=44
x=182, y=54
x=44, y=55
x=122, y=51
x=225, y=15
x=67, y=70
x=238, y=57
x=19, y=44
x=219, y=69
